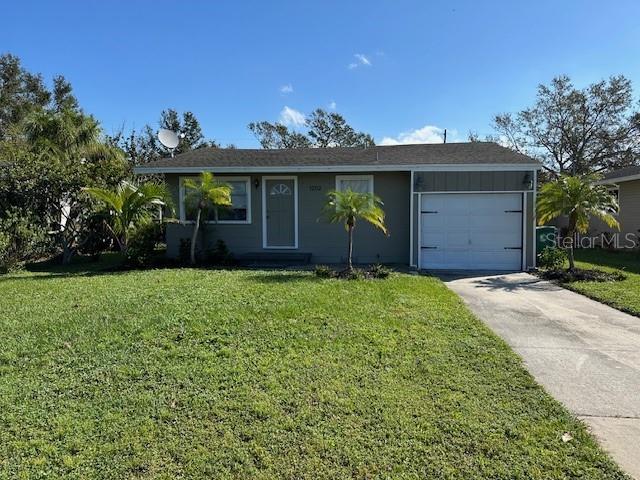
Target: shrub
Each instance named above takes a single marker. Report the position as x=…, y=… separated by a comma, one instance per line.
x=379, y=271
x=324, y=271
x=21, y=240
x=97, y=237
x=552, y=258
x=219, y=254
x=353, y=274
x=142, y=244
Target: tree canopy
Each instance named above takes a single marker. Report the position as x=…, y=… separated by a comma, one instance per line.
x=577, y=131
x=323, y=130
x=49, y=150
x=144, y=147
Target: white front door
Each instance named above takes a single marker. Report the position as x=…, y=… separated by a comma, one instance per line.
x=471, y=231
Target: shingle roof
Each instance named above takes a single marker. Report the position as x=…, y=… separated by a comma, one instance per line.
x=622, y=172
x=396, y=155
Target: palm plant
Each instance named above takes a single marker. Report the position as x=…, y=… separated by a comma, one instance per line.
x=348, y=206
x=579, y=198
x=70, y=154
x=205, y=192
x=130, y=205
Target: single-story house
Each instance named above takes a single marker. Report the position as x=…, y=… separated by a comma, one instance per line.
x=625, y=185
x=459, y=206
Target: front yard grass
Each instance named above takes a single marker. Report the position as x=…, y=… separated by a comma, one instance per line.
x=623, y=295
x=192, y=373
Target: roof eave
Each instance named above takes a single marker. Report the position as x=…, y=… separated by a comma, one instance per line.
x=609, y=181
x=140, y=170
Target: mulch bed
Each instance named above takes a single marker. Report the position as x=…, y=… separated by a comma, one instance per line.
x=580, y=275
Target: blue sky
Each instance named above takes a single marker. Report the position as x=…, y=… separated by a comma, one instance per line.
x=391, y=67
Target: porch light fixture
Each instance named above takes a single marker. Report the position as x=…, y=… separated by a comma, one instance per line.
x=527, y=181
x=256, y=183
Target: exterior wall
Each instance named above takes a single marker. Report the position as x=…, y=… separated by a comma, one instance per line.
x=495, y=181
x=629, y=199
x=628, y=216
x=474, y=181
x=326, y=242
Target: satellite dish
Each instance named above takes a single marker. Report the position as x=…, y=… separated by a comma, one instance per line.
x=169, y=139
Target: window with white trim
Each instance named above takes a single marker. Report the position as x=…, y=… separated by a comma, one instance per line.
x=238, y=212
x=355, y=183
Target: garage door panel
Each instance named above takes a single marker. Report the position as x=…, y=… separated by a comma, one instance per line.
x=471, y=231
x=488, y=260
x=459, y=240
x=437, y=240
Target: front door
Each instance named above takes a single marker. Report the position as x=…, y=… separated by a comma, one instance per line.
x=280, y=212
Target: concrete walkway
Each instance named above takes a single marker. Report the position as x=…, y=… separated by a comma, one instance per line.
x=585, y=354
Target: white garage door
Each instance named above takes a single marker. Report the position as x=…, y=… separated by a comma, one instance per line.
x=471, y=231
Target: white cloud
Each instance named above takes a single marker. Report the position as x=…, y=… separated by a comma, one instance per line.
x=426, y=134
x=288, y=88
x=332, y=105
x=361, y=60
x=291, y=117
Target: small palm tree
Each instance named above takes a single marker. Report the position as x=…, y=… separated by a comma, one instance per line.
x=205, y=192
x=579, y=198
x=348, y=206
x=130, y=205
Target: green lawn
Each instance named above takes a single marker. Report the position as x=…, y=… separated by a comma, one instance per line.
x=623, y=295
x=254, y=374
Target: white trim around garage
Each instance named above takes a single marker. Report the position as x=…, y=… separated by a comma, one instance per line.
x=523, y=220
x=264, y=210
x=411, y=231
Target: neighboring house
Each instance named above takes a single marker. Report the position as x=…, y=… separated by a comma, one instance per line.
x=448, y=206
x=625, y=185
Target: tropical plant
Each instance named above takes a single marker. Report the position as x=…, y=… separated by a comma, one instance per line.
x=348, y=206
x=205, y=192
x=130, y=206
x=552, y=258
x=579, y=198
x=49, y=150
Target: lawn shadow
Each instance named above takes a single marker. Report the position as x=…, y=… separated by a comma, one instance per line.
x=281, y=276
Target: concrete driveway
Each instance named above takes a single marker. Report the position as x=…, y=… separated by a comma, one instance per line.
x=585, y=354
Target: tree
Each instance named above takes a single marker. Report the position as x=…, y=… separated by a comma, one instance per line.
x=129, y=206
x=65, y=154
x=144, y=147
x=324, y=130
x=205, y=192
x=578, y=198
x=332, y=130
x=21, y=93
x=276, y=135
x=348, y=206
x=577, y=131
x=49, y=151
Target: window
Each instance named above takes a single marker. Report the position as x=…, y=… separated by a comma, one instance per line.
x=238, y=212
x=355, y=183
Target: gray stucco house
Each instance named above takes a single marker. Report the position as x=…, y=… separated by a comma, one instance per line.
x=459, y=206
x=625, y=185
